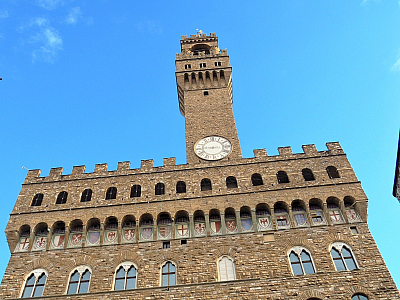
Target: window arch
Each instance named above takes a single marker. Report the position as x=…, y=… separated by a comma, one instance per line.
x=299, y=213
x=111, y=193
x=206, y=184
x=79, y=280
x=343, y=257
x=301, y=261
x=317, y=213
x=24, y=238
x=359, y=297
x=332, y=172
x=62, y=197
x=37, y=200
x=168, y=274
x=231, y=182
x=256, y=179
x=335, y=214
x=181, y=187
x=307, y=174
x=136, y=191
x=125, y=276
x=226, y=269
x=282, y=215
x=282, y=177
x=34, y=284
x=160, y=189
x=86, y=195
x=350, y=209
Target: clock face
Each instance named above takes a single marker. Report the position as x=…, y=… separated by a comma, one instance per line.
x=213, y=148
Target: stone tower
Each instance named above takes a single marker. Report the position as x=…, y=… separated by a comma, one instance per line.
x=290, y=226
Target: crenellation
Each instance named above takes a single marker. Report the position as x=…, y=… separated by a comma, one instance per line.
x=285, y=151
x=32, y=175
x=310, y=150
x=100, y=168
x=334, y=148
x=146, y=164
x=123, y=166
x=260, y=153
x=170, y=161
x=78, y=170
x=55, y=173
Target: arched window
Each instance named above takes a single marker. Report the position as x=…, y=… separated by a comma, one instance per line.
x=282, y=215
x=34, y=284
x=182, y=224
x=256, y=179
x=180, y=187
x=199, y=223
x=24, y=239
x=231, y=182
x=263, y=217
x=282, y=177
x=76, y=235
x=334, y=212
x=301, y=262
x=215, y=222
x=146, y=227
x=111, y=193
x=62, y=197
x=299, y=213
x=245, y=218
x=40, y=241
x=58, y=236
x=226, y=269
x=332, y=172
x=125, y=277
x=160, y=189
x=350, y=209
x=317, y=214
x=79, y=280
x=164, y=223
x=86, y=195
x=307, y=174
x=343, y=257
x=128, y=229
x=136, y=191
x=230, y=220
x=359, y=297
x=37, y=200
x=168, y=274
x=206, y=184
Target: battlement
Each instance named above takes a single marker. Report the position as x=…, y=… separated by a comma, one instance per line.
x=101, y=170
x=212, y=54
x=198, y=37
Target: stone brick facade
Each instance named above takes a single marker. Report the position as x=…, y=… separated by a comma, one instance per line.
x=256, y=221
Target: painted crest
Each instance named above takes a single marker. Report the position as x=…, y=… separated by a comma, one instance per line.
x=58, y=241
x=200, y=228
x=94, y=238
x=335, y=216
x=147, y=233
x=76, y=239
x=264, y=222
x=352, y=215
x=246, y=224
x=40, y=243
x=129, y=235
x=23, y=244
x=215, y=226
x=231, y=225
x=164, y=231
x=300, y=219
x=111, y=237
x=182, y=229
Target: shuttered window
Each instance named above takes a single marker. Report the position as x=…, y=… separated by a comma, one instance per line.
x=226, y=269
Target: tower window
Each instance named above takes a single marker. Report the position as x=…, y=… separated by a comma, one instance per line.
x=206, y=184
x=231, y=182
x=166, y=245
x=226, y=269
x=37, y=200
x=181, y=187
x=307, y=174
x=343, y=257
x=205, y=93
x=168, y=274
x=86, y=195
x=217, y=63
x=35, y=285
x=202, y=65
x=301, y=263
x=125, y=278
x=282, y=177
x=256, y=179
x=111, y=193
x=188, y=66
x=332, y=172
x=62, y=198
x=79, y=282
x=136, y=191
x=160, y=189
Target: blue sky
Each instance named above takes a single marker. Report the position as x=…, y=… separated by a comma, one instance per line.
x=88, y=82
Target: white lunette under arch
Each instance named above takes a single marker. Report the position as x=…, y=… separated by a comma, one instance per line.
x=126, y=265
x=36, y=273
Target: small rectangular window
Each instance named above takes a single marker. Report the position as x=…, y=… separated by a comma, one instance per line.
x=217, y=63
x=166, y=245
x=202, y=65
x=205, y=93
x=183, y=242
x=354, y=230
x=188, y=66
x=269, y=237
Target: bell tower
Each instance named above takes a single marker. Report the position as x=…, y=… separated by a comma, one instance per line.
x=204, y=82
